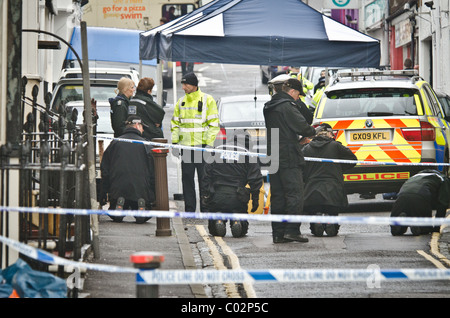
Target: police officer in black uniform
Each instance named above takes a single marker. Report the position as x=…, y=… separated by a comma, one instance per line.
x=225, y=181
x=424, y=192
x=119, y=105
x=128, y=173
x=143, y=105
x=276, y=85
x=286, y=185
x=324, y=181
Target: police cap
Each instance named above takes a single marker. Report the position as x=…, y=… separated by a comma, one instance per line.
x=294, y=84
x=133, y=119
x=280, y=79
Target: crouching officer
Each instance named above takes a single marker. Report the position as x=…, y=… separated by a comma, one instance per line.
x=225, y=181
x=128, y=173
x=424, y=192
x=324, y=181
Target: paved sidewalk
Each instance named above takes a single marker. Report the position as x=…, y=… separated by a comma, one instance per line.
x=118, y=241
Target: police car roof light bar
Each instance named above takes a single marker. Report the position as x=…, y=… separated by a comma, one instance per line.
x=378, y=73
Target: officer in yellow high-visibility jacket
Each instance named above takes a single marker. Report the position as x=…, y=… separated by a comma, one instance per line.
x=195, y=123
x=319, y=92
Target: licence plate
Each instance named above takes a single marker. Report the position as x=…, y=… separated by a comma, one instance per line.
x=257, y=132
x=379, y=135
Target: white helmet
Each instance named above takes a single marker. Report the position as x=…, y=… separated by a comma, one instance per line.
x=279, y=79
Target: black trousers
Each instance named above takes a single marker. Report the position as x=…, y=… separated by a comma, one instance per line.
x=286, y=197
x=191, y=162
x=227, y=201
x=412, y=205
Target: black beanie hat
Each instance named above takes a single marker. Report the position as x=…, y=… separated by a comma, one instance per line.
x=190, y=78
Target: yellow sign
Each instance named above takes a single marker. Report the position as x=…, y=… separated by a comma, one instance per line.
x=383, y=176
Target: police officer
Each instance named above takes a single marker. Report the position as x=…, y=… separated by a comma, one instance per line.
x=286, y=184
x=225, y=181
x=128, y=175
x=324, y=181
x=318, y=92
x=424, y=192
x=276, y=85
x=119, y=105
x=143, y=105
x=294, y=71
x=195, y=123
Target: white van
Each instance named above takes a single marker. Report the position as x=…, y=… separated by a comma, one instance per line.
x=102, y=73
x=111, y=74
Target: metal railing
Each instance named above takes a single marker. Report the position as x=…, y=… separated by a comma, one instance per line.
x=52, y=173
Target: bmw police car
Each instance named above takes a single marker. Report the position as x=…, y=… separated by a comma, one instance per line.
x=391, y=117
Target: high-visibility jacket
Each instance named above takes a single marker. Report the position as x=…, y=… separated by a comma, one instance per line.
x=317, y=96
x=195, y=120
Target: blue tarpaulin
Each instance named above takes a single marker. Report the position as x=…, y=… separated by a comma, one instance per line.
x=108, y=44
x=260, y=32
x=29, y=283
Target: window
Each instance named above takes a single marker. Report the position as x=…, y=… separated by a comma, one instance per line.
x=72, y=94
x=177, y=11
x=370, y=102
x=431, y=101
x=445, y=103
x=242, y=111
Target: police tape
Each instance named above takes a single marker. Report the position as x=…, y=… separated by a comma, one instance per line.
x=369, y=220
x=48, y=258
x=232, y=154
x=176, y=146
x=372, y=274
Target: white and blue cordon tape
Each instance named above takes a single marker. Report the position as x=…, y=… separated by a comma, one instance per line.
x=158, y=277
x=372, y=220
x=262, y=155
x=48, y=258
x=171, y=277
x=181, y=277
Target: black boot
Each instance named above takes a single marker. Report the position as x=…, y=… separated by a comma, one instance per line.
x=239, y=228
x=141, y=207
x=119, y=206
x=317, y=229
x=397, y=230
x=220, y=228
x=332, y=229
